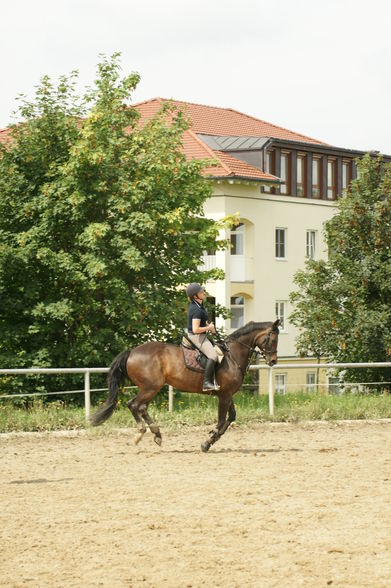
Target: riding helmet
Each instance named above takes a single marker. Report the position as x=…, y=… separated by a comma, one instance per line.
x=193, y=289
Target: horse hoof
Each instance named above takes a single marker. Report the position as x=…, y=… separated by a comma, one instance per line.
x=138, y=437
x=158, y=440
x=205, y=446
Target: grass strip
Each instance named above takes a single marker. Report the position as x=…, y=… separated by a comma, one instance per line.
x=196, y=410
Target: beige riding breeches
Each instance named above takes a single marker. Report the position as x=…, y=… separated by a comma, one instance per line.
x=202, y=342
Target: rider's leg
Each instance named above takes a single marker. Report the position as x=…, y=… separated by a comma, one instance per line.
x=209, y=377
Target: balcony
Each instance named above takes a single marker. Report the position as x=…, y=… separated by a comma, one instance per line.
x=209, y=263
x=241, y=268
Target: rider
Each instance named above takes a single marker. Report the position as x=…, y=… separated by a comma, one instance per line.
x=198, y=326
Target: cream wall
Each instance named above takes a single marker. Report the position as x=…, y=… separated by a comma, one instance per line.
x=272, y=279
x=295, y=378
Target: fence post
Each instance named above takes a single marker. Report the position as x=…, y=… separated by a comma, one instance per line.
x=170, y=398
x=259, y=392
x=271, y=392
x=87, y=396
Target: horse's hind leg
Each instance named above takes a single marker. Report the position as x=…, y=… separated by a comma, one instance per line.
x=138, y=407
x=153, y=427
x=133, y=407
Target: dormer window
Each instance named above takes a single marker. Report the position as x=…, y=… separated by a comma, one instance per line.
x=284, y=173
x=316, y=175
x=331, y=179
x=301, y=164
x=269, y=168
x=346, y=174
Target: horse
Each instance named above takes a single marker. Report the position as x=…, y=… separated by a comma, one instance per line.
x=153, y=364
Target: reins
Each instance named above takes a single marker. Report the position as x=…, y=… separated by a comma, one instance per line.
x=251, y=352
x=236, y=361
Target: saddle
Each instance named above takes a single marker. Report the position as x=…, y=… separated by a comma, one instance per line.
x=193, y=357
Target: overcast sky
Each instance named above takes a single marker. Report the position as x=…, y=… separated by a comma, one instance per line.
x=321, y=68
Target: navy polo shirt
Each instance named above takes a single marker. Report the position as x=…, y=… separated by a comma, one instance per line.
x=196, y=311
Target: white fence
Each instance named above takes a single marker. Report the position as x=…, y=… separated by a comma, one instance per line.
x=103, y=370
x=85, y=371
x=312, y=366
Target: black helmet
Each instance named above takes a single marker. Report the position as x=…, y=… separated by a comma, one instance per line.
x=193, y=289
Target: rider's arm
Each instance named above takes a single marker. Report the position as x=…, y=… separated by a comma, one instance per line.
x=197, y=330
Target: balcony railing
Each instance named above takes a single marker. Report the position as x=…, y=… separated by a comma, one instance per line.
x=241, y=268
x=209, y=263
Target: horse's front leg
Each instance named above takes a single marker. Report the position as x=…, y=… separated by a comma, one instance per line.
x=225, y=404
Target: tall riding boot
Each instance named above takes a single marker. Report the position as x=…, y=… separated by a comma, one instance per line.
x=209, y=376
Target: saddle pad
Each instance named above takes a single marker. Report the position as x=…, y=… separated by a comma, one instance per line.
x=189, y=358
x=186, y=343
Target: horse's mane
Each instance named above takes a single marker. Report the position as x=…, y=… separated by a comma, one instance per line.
x=248, y=328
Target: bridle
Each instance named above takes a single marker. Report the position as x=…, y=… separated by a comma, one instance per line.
x=263, y=348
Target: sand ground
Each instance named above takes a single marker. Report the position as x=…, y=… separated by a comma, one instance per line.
x=272, y=505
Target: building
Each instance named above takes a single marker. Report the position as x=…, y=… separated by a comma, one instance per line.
x=284, y=186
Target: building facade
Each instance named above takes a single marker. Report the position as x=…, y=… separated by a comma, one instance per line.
x=283, y=186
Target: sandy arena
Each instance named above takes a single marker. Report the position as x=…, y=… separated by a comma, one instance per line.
x=272, y=505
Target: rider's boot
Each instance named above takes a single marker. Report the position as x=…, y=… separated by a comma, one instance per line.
x=209, y=376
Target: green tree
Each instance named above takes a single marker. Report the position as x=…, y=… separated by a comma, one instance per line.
x=101, y=224
x=343, y=305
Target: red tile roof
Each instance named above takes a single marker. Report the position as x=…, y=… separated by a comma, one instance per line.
x=242, y=169
x=226, y=165
x=5, y=135
x=206, y=122
x=213, y=120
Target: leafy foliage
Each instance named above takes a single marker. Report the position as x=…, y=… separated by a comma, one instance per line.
x=343, y=305
x=101, y=224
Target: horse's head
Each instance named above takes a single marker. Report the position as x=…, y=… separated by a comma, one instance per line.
x=267, y=342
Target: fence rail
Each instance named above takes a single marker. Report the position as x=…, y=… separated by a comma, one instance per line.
x=85, y=371
x=282, y=366
x=102, y=370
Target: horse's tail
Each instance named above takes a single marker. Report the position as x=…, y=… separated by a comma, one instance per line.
x=116, y=378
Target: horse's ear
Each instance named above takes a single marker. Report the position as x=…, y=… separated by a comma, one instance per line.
x=276, y=324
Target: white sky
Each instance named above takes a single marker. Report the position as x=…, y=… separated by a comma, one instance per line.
x=319, y=67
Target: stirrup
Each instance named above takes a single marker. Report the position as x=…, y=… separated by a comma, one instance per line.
x=210, y=389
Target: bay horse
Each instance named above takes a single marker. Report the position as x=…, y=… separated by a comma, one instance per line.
x=154, y=364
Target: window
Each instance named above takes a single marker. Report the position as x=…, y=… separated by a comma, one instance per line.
x=237, y=240
x=301, y=168
x=269, y=168
x=237, y=309
x=211, y=308
x=331, y=179
x=316, y=175
x=311, y=382
x=280, y=313
x=311, y=244
x=346, y=174
x=284, y=173
x=280, y=385
x=281, y=243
